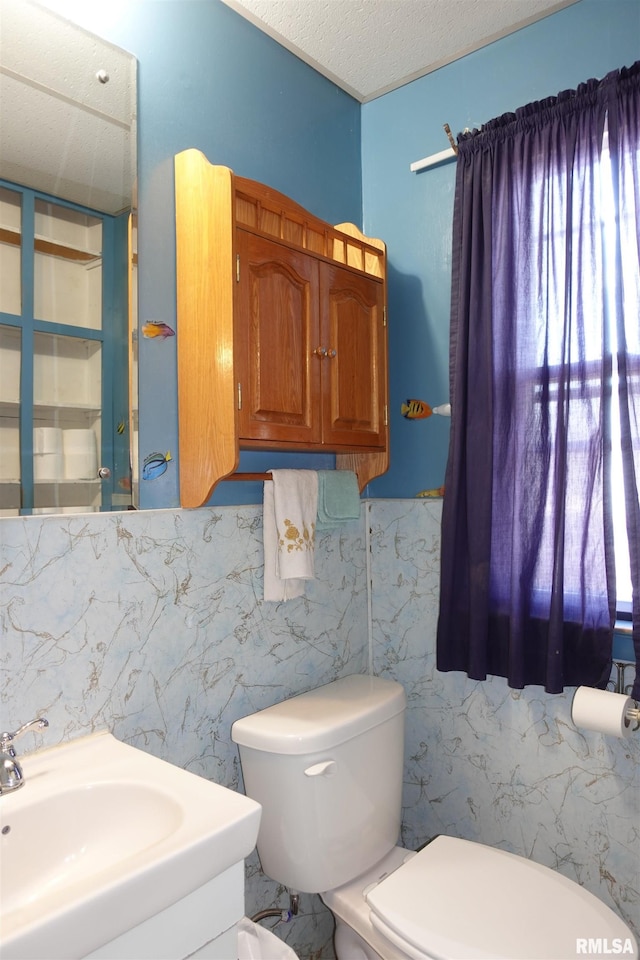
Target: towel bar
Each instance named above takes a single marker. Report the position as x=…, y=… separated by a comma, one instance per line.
x=248, y=476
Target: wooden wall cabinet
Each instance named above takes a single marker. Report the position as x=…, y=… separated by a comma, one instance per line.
x=281, y=330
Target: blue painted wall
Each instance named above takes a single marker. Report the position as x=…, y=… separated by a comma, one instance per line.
x=209, y=79
x=413, y=212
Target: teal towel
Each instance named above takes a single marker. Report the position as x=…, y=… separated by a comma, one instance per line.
x=338, y=498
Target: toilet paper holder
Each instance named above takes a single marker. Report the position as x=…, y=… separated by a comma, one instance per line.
x=633, y=716
x=619, y=686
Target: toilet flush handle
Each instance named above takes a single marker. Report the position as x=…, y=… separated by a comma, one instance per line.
x=323, y=769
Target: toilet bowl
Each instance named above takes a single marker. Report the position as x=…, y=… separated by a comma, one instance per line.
x=355, y=937
x=257, y=943
x=326, y=766
x=460, y=899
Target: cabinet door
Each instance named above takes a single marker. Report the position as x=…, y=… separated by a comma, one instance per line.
x=354, y=367
x=276, y=333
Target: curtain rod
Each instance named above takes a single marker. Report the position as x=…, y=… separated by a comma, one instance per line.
x=436, y=158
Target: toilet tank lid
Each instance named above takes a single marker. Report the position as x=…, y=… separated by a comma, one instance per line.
x=321, y=718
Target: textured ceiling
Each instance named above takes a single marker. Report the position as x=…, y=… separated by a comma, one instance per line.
x=64, y=130
x=369, y=47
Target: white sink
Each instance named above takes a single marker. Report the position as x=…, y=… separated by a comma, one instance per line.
x=101, y=837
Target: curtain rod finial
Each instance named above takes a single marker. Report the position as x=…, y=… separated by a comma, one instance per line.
x=454, y=145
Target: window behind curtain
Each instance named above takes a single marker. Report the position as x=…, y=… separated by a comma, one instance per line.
x=608, y=223
x=628, y=250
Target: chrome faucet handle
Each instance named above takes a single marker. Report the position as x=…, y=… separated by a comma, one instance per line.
x=7, y=739
x=11, y=776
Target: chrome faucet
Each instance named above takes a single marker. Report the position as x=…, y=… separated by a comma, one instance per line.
x=11, y=776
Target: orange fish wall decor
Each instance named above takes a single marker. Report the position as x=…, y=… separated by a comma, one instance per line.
x=415, y=410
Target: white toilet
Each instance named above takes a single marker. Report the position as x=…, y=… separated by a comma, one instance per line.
x=327, y=768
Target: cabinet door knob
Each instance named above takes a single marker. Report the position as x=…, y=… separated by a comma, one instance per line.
x=320, y=351
x=104, y=473
x=331, y=353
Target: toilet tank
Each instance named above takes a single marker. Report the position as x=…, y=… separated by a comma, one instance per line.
x=327, y=768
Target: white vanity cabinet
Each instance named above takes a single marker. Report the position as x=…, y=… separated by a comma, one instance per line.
x=201, y=926
x=62, y=292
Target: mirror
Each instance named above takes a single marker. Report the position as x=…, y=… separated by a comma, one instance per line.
x=67, y=266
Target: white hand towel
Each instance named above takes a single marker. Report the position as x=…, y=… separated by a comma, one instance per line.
x=290, y=510
x=274, y=588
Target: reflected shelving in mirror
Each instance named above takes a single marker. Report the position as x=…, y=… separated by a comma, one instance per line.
x=64, y=317
x=67, y=169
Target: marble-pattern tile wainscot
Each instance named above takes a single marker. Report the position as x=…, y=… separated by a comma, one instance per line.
x=487, y=763
x=152, y=624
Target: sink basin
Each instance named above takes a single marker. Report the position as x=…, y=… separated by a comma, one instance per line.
x=103, y=836
x=75, y=834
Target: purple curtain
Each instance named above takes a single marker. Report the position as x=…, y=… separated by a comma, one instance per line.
x=528, y=585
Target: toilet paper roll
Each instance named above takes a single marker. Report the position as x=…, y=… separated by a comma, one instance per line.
x=47, y=466
x=80, y=455
x=602, y=710
x=47, y=440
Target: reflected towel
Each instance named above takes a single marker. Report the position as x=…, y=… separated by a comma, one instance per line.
x=338, y=498
x=290, y=510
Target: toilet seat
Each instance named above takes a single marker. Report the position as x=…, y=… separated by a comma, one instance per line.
x=460, y=900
